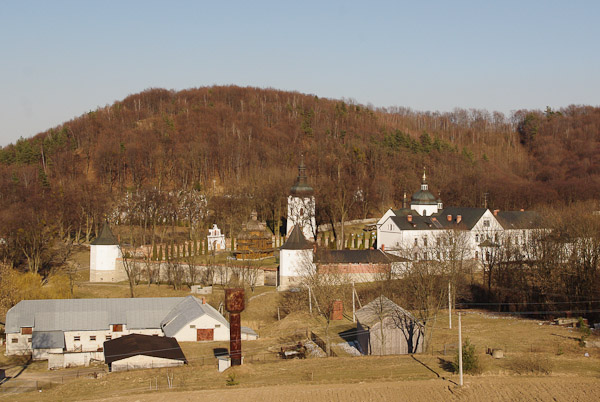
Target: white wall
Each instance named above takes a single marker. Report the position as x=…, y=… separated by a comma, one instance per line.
x=293, y=264
x=88, y=345
x=143, y=362
x=103, y=263
x=425, y=210
x=307, y=220
x=23, y=345
x=189, y=334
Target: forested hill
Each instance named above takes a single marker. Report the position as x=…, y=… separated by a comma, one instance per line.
x=233, y=143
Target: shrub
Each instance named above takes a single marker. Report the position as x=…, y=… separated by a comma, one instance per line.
x=470, y=359
x=231, y=381
x=530, y=364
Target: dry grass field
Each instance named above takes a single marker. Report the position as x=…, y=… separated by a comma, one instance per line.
x=560, y=368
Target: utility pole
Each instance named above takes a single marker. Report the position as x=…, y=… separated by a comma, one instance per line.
x=353, y=305
x=460, y=366
x=449, y=306
x=309, y=301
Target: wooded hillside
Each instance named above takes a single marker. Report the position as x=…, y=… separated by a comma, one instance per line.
x=238, y=148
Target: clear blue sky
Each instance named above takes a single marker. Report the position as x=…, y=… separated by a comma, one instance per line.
x=59, y=59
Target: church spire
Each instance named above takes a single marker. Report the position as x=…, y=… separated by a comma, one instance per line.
x=301, y=187
x=424, y=185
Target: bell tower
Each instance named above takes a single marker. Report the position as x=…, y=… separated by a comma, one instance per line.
x=301, y=205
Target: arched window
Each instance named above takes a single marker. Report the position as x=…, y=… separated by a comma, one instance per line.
x=477, y=238
x=424, y=212
x=476, y=254
x=301, y=211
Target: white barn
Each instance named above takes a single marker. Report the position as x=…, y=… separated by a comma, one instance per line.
x=81, y=326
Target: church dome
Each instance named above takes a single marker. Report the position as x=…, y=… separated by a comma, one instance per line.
x=424, y=196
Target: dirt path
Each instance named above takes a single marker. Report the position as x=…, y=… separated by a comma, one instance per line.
x=476, y=389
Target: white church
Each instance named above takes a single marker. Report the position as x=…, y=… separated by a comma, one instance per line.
x=425, y=230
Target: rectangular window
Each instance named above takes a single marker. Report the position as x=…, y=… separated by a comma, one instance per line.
x=76, y=338
x=192, y=326
x=26, y=330
x=15, y=340
x=92, y=337
x=425, y=241
x=28, y=340
x=117, y=327
x=486, y=223
x=416, y=241
x=217, y=325
x=108, y=337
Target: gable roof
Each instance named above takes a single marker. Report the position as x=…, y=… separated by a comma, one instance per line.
x=469, y=218
x=147, y=345
x=106, y=238
x=519, y=219
x=99, y=314
x=296, y=240
x=379, y=308
x=356, y=257
x=187, y=310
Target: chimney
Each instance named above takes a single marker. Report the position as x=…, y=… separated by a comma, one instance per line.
x=449, y=217
x=458, y=218
x=383, y=247
x=409, y=218
x=433, y=219
x=496, y=212
x=522, y=210
x=203, y=300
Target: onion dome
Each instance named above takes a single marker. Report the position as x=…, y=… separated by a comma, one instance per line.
x=301, y=188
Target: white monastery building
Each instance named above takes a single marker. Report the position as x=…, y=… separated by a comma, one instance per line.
x=427, y=231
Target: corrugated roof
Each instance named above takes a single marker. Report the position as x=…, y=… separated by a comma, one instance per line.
x=106, y=238
x=187, y=310
x=89, y=314
x=356, y=257
x=296, y=240
x=48, y=340
x=381, y=307
x=147, y=345
x=519, y=220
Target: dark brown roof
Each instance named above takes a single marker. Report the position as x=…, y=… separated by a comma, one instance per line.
x=356, y=257
x=296, y=241
x=147, y=345
x=106, y=238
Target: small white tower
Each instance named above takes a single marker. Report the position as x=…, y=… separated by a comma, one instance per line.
x=295, y=260
x=104, y=251
x=216, y=240
x=301, y=205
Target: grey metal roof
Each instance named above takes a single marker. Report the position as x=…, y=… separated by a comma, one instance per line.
x=423, y=197
x=356, y=257
x=296, y=240
x=379, y=308
x=249, y=331
x=301, y=188
x=89, y=314
x=48, y=340
x=185, y=311
x=106, y=238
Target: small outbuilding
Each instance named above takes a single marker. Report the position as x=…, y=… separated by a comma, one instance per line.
x=384, y=328
x=136, y=351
